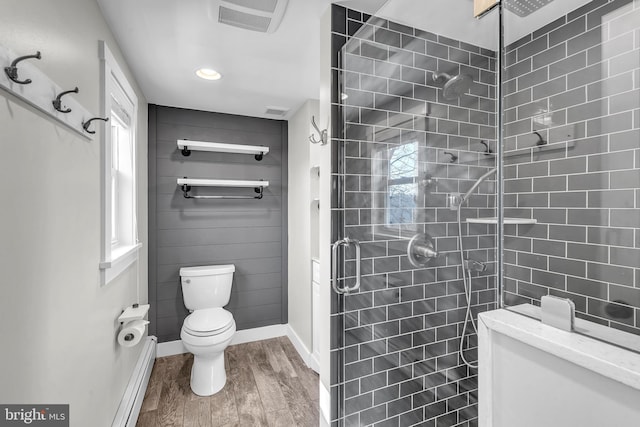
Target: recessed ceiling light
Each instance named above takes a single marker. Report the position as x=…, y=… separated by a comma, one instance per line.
x=208, y=74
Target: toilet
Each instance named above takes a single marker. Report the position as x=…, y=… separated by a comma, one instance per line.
x=208, y=330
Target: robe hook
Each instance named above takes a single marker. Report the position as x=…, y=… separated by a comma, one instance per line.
x=323, y=133
x=85, y=125
x=541, y=140
x=12, y=70
x=57, y=103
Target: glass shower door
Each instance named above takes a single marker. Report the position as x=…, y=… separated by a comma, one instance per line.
x=572, y=161
x=415, y=129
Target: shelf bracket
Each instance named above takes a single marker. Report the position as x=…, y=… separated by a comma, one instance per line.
x=259, y=191
x=185, y=151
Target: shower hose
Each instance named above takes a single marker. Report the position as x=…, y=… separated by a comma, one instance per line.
x=468, y=317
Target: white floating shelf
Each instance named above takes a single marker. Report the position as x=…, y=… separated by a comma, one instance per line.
x=186, y=145
x=494, y=220
x=222, y=183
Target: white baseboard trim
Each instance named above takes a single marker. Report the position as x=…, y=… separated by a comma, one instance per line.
x=259, y=334
x=172, y=348
x=325, y=405
x=302, y=349
x=129, y=409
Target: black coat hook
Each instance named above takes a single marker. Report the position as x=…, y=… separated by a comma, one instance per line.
x=487, y=148
x=57, y=103
x=541, y=140
x=85, y=125
x=452, y=157
x=12, y=71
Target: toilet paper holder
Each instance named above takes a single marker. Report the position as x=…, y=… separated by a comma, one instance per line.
x=132, y=324
x=134, y=312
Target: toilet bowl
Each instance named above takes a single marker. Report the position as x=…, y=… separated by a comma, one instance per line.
x=209, y=329
x=207, y=333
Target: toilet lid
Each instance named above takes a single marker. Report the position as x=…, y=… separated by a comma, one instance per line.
x=210, y=321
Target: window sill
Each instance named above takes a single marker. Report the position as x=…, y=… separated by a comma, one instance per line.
x=121, y=259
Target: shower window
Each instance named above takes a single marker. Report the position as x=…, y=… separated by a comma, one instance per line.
x=402, y=184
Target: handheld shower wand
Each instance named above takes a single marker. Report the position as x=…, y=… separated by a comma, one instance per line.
x=476, y=184
x=467, y=266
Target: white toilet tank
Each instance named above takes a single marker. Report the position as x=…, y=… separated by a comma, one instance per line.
x=207, y=286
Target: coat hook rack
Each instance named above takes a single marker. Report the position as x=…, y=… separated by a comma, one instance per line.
x=40, y=91
x=12, y=70
x=57, y=103
x=85, y=125
x=323, y=134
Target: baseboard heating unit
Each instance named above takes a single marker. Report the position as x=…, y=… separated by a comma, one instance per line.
x=129, y=408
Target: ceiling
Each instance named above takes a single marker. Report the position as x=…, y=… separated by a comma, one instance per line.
x=166, y=41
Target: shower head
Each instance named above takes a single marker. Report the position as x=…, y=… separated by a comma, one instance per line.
x=524, y=8
x=476, y=185
x=455, y=86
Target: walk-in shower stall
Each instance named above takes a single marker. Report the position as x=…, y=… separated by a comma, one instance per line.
x=478, y=163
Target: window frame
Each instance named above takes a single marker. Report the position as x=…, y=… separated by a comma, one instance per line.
x=116, y=259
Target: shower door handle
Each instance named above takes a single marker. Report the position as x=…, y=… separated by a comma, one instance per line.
x=334, y=265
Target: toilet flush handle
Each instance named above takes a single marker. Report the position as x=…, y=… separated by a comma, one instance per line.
x=187, y=281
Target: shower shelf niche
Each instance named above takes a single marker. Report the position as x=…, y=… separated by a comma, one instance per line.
x=507, y=221
x=186, y=146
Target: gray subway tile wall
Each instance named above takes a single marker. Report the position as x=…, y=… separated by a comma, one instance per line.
x=576, y=83
x=394, y=342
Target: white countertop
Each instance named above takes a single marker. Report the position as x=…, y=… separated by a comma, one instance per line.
x=609, y=360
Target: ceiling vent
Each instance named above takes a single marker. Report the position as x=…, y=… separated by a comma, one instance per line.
x=277, y=111
x=256, y=15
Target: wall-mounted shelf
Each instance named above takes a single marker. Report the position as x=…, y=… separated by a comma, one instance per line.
x=509, y=221
x=187, y=183
x=186, y=146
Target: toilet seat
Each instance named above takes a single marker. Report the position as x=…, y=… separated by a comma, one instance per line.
x=208, y=322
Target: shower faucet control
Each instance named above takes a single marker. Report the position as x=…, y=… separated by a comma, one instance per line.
x=421, y=250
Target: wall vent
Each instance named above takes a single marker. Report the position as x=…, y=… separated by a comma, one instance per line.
x=256, y=15
x=277, y=111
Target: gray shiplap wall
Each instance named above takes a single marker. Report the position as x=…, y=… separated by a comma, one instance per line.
x=186, y=232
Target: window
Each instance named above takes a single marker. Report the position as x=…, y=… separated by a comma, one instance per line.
x=119, y=208
x=396, y=188
x=401, y=183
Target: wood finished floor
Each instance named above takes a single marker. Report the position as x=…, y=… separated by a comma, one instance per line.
x=268, y=384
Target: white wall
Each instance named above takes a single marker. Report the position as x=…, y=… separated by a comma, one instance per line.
x=299, y=212
x=57, y=324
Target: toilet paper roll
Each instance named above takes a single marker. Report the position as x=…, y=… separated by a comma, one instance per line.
x=132, y=333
